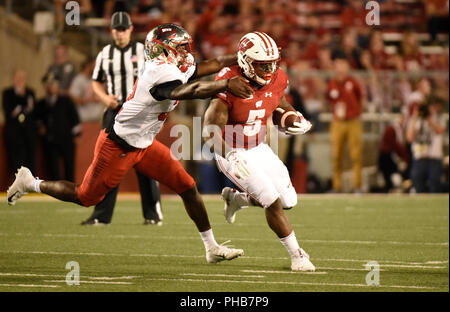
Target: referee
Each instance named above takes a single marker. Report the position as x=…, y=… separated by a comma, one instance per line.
x=118, y=65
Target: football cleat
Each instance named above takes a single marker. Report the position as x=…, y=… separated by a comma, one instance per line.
x=302, y=262
x=22, y=185
x=230, y=207
x=153, y=222
x=94, y=222
x=222, y=252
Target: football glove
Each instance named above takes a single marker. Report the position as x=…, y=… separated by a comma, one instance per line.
x=299, y=127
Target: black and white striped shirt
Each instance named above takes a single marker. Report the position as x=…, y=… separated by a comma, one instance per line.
x=119, y=67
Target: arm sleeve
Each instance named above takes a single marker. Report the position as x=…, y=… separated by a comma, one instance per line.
x=165, y=78
x=98, y=74
x=224, y=73
x=194, y=75
x=162, y=91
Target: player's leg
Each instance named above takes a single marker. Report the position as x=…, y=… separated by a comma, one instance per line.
x=104, y=210
x=68, y=155
x=52, y=160
x=158, y=164
x=337, y=136
x=419, y=173
x=435, y=171
x=150, y=199
x=355, y=148
x=279, y=174
x=104, y=173
x=260, y=186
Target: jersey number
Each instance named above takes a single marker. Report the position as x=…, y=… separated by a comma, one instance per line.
x=253, y=123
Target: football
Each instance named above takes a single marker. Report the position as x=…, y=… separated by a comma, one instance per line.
x=284, y=118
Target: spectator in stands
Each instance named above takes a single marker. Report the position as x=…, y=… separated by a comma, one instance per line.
x=213, y=9
x=146, y=15
x=437, y=17
x=20, y=127
x=291, y=55
x=217, y=40
x=420, y=95
x=393, y=158
x=63, y=69
x=380, y=59
x=412, y=59
x=353, y=13
x=350, y=47
x=425, y=132
x=345, y=96
x=60, y=124
x=88, y=104
x=324, y=61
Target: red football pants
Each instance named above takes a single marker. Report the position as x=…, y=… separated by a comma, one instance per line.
x=111, y=163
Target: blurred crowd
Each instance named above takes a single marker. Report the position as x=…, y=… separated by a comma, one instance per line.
x=308, y=33
x=393, y=76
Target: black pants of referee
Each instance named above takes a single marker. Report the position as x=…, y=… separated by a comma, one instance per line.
x=149, y=189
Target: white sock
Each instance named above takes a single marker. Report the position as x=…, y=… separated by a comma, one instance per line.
x=208, y=239
x=242, y=199
x=36, y=186
x=291, y=244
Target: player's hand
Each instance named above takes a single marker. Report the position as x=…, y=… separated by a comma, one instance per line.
x=299, y=127
x=238, y=165
x=238, y=86
x=111, y=101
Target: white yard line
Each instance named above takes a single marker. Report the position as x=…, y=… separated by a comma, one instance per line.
x=285, y=272
x=63, y=275
x=444, y=244
x=412, y=266
x=221, y=275
x=288, y=283
x=386, y=263
x=317, y=268
x=29, y=285
x=91, y=282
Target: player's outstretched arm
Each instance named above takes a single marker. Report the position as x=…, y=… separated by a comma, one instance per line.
x=238, y=86
x=212, y=66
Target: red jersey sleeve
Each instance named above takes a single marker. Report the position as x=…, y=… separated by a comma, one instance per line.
x=225, y=73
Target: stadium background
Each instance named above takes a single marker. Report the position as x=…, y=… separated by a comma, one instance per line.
x=401, y=50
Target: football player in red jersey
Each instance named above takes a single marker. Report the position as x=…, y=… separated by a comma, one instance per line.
x=237, y=129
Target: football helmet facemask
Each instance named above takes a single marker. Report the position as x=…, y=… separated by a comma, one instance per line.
x=258, y=57
x=170, y=43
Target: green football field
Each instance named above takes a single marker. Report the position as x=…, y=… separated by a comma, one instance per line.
x=406, y=235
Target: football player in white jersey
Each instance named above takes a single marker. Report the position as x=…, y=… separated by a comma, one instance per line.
x=129, y=141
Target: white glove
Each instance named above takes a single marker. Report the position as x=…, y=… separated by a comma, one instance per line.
x=299, y=127
x=238, y=165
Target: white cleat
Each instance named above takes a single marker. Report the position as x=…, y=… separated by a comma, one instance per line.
x=22, y=185
x=222, y=252
x=230, y=207
x=302, y=263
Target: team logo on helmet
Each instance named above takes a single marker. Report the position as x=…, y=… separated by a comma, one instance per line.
x=170, y=43
x=258, y=57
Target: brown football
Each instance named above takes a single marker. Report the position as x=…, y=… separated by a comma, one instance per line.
x=284, y=118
